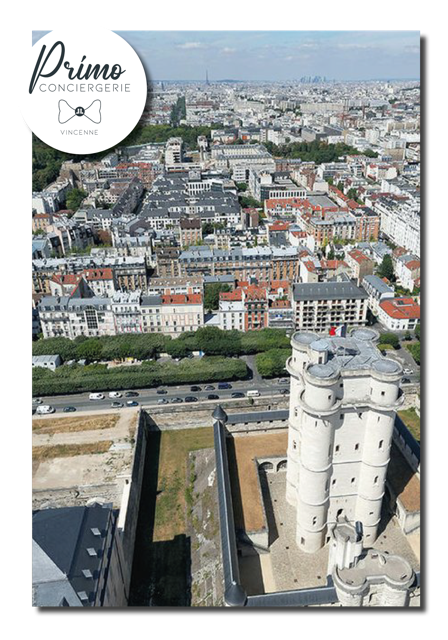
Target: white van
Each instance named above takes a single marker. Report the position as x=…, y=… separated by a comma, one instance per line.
x=253, y=394
x=96, y=396
x=114, y=394
x=44, y=409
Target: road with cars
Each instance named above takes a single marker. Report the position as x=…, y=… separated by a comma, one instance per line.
x=156, y=397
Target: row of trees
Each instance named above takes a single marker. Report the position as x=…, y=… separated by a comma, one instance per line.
x=315, y=151
x=209, y=340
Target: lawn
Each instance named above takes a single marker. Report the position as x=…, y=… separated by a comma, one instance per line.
x=161, y=573
x=69, y=450
x=412, y=421
x=172, y=481
x=78, y=423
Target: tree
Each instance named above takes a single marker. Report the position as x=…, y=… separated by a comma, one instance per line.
x=415, y=351
x=211, y=297
x=389, y=338
x=74, y=199
x=272, y=363
x=207, y=228
x=417, y=331
x=386, y=268
x=104, y=237
x=90, y=349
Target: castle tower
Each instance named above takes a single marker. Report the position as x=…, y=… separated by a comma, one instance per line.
x=366, y=578
x=344, y=396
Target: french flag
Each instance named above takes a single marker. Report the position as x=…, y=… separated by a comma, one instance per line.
x=338, y=331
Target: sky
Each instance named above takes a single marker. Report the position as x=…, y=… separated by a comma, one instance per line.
x=275, y=55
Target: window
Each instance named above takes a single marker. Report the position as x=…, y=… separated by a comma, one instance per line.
x=333, y=482
x=294, y=444
x=375, y=480
x=380, y=444
x=353, y=480
x=329, y=397
x=302, y=541
x=314, y=520
x=357, y=446
x=383, y=393
x=336, y=448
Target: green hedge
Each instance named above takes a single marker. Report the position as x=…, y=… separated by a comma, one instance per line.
x=97, y=377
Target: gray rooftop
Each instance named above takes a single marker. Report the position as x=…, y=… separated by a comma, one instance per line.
x=327, y=291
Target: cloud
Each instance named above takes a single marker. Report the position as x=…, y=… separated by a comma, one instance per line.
x=228, y=50
x=191, y=45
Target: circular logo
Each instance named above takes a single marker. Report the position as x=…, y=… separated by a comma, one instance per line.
x=83, y=94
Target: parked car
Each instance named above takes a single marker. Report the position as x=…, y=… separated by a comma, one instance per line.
x=224, y=385
x=162, y=401
x=114, y=394
x=405, y=380
x=253, y=393
x=176, y=400
x=284, y=391
x=37, y=400
x=283, y=381
x=408, y=372
x=191, y=399
x=117, y=405
x=131, y=394
x=212, y=396
x=68, y=409
x=131, y=403
x=209, y=387
x=161, y=392
x=237, y=394
x=96, y=396
x=195, y=388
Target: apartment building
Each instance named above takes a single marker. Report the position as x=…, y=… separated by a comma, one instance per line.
x=377, y=290
x=407, y=270
x=360, y=264
x=232, y=310
x=400, y=220
x=321, y=306
x=128, y=272
x=399, y=314
x=190, y=231
x=127, y=312
x=172, y=314
x=72, y=317
x=262, y=263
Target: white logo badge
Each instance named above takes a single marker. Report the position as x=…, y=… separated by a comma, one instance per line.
x=84, y=93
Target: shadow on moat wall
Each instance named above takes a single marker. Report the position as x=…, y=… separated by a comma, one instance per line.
x=161, y=574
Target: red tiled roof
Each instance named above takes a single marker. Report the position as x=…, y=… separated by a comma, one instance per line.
x=279, y=226
x=98, y=274
x=66, y=278
x=180, y=298
x=401, y=308
x=231, y=296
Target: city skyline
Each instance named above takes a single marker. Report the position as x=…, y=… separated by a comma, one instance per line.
x=344, y=56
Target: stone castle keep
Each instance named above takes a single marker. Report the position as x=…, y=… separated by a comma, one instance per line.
x=343, y=401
